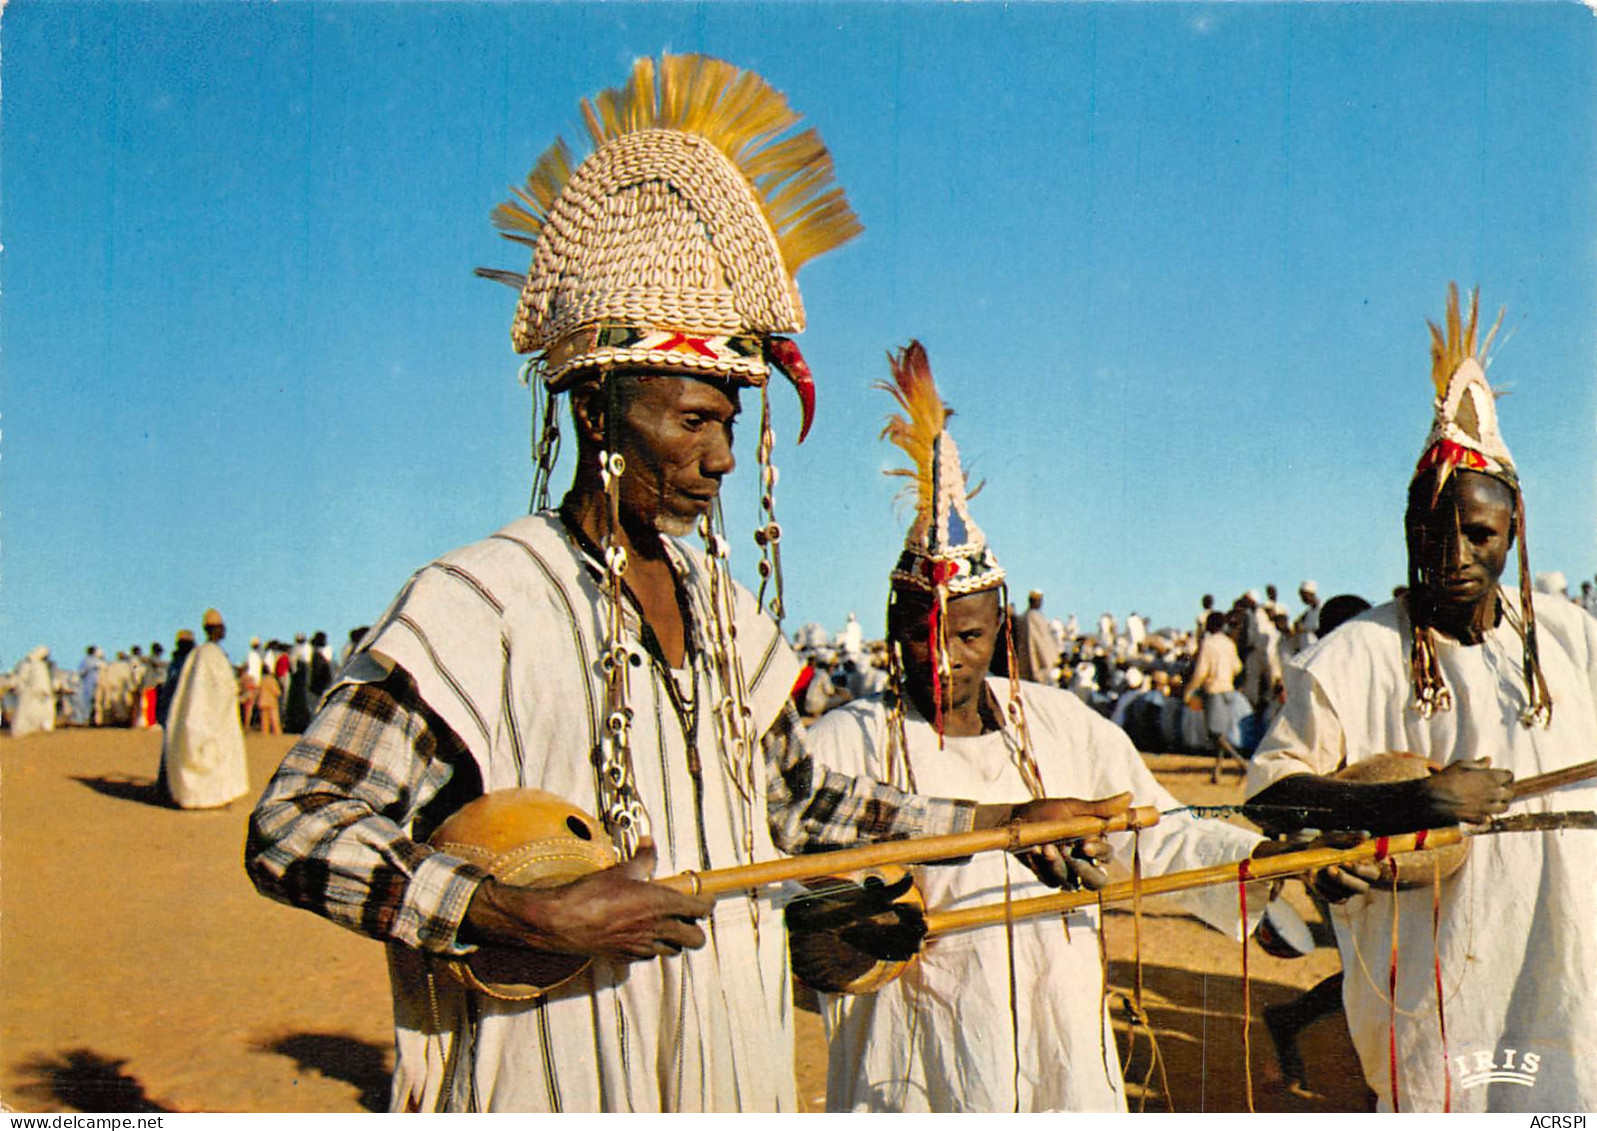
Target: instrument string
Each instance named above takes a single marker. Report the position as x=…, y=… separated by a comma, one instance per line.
x=1247, y=995
x=1391, y=989
x=1014, y=996
x=1302, y=813
x=1103, y=989
x=1436, y=961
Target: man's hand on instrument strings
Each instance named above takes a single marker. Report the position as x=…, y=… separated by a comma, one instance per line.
x=1071, y=864
x=614, y=914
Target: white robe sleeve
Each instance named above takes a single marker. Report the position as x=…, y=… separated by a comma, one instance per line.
x=1306, y=737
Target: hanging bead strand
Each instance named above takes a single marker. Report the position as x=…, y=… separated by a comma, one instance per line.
x=768, y=537
x=624, y=815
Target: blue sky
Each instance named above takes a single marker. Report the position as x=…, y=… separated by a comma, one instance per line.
x=1171, y=263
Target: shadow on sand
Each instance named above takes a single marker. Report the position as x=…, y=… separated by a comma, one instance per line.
x=338, y=1057
x=124, y=788
x=83, y=1080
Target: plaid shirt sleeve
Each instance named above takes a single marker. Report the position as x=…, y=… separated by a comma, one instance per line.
x=839, y=811
x=329, y=834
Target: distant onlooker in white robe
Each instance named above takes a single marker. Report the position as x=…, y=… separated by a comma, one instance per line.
x=203, y=757
x=1084, y=683
x=852, y=638
x=1307, y=628
x=35, y=694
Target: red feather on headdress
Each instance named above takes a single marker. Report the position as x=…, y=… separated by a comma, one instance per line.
x=925, y=415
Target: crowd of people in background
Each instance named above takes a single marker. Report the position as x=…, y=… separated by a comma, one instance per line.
x=279, y=685
x=1210, y=689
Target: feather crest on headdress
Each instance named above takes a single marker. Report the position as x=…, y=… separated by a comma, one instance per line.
x=925, y=415
x=1452, y=349
x=1464, y=433
x=737, y=112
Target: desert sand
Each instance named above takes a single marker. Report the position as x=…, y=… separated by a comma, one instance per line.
x=140, y=972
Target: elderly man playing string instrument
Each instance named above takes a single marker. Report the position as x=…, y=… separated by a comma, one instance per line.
x=987, y=1020
x=586, y=652
x=1486, y=684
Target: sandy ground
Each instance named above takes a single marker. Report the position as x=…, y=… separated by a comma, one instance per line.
x=140, y=972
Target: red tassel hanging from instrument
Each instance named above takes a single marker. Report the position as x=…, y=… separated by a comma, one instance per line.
x=1391, y=984
x=933, y=639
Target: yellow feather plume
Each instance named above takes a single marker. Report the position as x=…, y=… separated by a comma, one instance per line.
x=736, y=111
x=924, y=417
x=1450, y=349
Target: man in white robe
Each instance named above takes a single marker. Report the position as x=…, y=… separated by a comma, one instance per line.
x=489, y=671
x=942, y=1037
x=202, y=753
x=1084, y=683
x=852, y=638
x=1518, y=943
x=1307, y=628
x=34, y=688
x=1489, y=686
